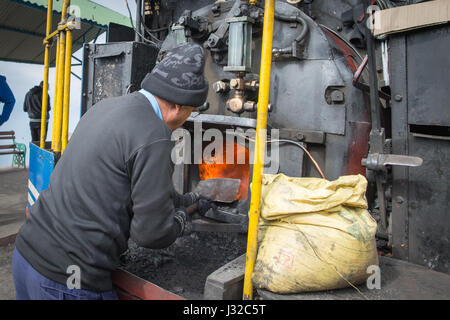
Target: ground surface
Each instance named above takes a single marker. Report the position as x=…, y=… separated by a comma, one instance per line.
x=7, y=291
x=400, y=280
x=13, y=200
x=183, y=267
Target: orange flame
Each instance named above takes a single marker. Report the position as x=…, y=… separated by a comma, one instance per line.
x=215, y=166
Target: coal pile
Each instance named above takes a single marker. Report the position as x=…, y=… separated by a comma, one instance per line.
x=183, y=267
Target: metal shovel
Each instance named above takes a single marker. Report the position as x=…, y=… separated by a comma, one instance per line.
x=218, y=189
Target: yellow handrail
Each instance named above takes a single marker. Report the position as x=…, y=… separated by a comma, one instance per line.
x=62, y=78
x=46, y=69
x=68, y=65
x=56, y=32
x=56, y=143
x=55, y=99
x=261, y=132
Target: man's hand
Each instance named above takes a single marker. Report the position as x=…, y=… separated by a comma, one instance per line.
x=204, y=205
x=180, y=217
x=185, y=200
x=194, y=202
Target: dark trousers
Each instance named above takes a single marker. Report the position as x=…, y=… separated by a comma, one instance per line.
x=35, y=128
x=31, y=285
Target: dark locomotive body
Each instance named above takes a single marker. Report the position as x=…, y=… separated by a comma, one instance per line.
x=315, y=102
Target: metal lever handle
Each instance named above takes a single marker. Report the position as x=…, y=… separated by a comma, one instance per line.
x=377, y=161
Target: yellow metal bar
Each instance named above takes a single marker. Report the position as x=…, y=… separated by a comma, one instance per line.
x=46, y=69
x=261, y=132
x=56, y=32
x=56, y=89
x=56, y=143
x=57, y=129
x=65, y=6
x=66, y=109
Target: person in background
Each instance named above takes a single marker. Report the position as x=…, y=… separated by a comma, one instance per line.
x=6, y=97
x=33, y=105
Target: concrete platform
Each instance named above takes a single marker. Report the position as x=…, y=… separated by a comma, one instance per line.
x=7, y=291
x=13, y=201
x=400, y=280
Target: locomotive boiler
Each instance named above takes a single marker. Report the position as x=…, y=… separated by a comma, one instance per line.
x=321, y=119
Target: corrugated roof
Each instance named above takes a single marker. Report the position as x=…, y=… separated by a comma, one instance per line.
x=23, y=24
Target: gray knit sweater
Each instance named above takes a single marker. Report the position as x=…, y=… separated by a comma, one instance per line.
x=113, y=182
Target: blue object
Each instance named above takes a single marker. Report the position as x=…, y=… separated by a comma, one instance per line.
x=42, y=163
x=31, y=285
x=151, y=98
x=7, y=97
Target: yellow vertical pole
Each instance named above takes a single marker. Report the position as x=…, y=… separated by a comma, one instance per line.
x=66, y=109
x=261, y=131
x=46, y=69
x=56, y=143
x=56, y=89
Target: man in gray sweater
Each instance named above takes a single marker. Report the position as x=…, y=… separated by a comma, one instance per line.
x=113, y=182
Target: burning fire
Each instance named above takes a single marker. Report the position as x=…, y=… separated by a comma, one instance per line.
x=215, y=166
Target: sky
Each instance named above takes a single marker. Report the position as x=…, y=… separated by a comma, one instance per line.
x=22, y=77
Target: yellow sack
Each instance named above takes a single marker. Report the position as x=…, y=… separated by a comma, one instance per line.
x=314, y=234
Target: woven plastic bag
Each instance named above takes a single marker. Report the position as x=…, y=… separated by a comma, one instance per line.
x=314, y=234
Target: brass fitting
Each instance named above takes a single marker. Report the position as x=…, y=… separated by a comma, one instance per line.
x=236, y=103
x=221, y=87
x=237, y=84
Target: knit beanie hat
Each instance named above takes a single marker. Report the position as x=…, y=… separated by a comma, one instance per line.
x=179, y=78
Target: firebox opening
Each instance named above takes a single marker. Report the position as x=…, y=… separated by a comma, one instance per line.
x=214, y=164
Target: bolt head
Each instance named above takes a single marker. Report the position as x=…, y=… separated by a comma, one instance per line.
x=234, y=83
x=299, y=136
x=219, y=86
x=337, y=96
x=398, y=97
x=399, y=199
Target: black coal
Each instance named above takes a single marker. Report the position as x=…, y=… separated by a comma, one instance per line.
x=183, y=267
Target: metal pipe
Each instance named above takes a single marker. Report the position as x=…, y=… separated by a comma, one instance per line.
x=46, y=70
x=299, y=38
x=56, y=32
x=295, y=18
x=56, y=143
x=66, y=105
x=55, y=98
x=371, y=54
x=138, y=20
x=261, y=132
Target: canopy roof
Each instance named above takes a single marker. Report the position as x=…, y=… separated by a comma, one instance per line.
x=23, y=25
